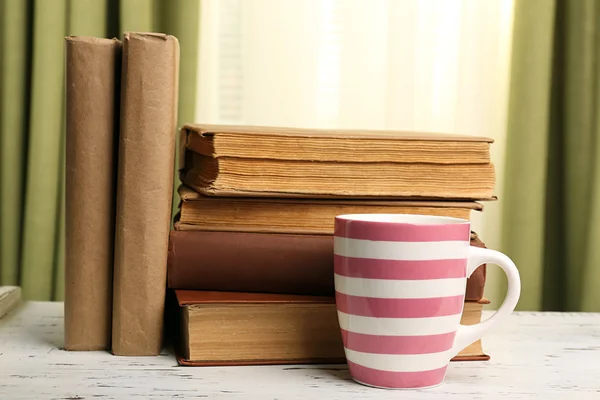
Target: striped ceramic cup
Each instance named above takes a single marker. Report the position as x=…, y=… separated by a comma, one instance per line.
x=400, y=284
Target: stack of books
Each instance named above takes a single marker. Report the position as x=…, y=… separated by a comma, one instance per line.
x=250, y=262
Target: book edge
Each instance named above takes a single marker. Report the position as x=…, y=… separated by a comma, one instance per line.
x=366, y=134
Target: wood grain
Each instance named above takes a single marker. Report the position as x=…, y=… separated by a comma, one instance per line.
x=534, y=355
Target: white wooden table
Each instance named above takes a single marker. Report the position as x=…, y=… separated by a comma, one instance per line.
x=542, y=355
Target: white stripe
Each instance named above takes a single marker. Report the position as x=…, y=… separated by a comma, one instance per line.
x=400, y=362
x=400, y=289
x=410, y=251
x=398, y=326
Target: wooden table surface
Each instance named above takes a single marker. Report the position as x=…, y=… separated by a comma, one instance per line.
x=534, y=355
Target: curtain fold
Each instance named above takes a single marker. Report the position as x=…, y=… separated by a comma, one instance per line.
x=14, y=103
x=87, y=18
x=137, y=15
x=180, y=19
x=42, y=191
x=552, y=187
x=526, y=145
x=580, y=22
x=581, y=137
x=32, y=120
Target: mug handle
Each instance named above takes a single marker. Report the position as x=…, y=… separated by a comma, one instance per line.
x=467, y=334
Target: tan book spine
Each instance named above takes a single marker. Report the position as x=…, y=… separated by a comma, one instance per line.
x=93, y=79
x=144, y=191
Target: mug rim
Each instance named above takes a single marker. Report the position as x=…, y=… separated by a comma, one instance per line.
x=403, y=219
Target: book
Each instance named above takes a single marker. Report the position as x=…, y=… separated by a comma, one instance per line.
x=471, y=315
x=251, y=262
x=10, y=298
x=221, y=328
x=319, y=163
x=224, y=328
x=93, y=68
x=260, y=262
x=340, y=145
x=290, y=215
x=144, y=191
x=476, y=283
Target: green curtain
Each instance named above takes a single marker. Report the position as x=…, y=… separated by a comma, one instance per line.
x=551, y=224
x=15, y=60
x=32, y=121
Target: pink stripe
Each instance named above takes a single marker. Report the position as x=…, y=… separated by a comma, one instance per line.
x=389, y=379
x=400, y=232
x=399, y=269
x=399, y=308
x=397, y=344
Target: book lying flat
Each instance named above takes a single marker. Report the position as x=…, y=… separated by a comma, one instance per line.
x=263, y=262
x=278, y=162
x=224, y=328
x=289, y=215
x=284, y=143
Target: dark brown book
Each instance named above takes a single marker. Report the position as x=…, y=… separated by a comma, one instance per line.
x=476, y=283
x=223, y=328
x=251, y=262
x=278, y=162
x=261, y=262
x=290, y=215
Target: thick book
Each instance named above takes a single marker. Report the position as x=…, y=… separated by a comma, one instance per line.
x=224, y=328
x=93, y=68
x=285, y=143
x=144, y=191
x=277, y=162
x=262, y=263
x=292, y=215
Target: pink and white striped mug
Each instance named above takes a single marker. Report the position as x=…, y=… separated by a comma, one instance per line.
x=400, y=284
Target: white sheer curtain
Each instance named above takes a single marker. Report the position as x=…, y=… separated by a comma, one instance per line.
x=423, y=65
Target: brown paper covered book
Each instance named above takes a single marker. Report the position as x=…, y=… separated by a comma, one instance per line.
x=145, y=189
x=221, y=328
x=261, y=161
x=93, y=67
x=289, y=215
x=263, y=262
